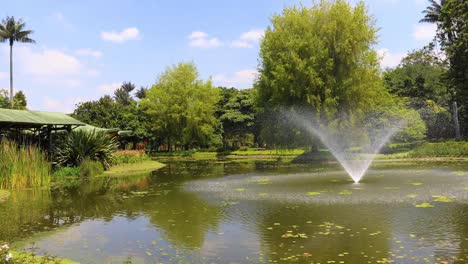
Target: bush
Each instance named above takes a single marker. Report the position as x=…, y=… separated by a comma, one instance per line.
x=130, y=156
x=441, y=149
x=62, y=172
x=83, y=145
x=22, y=167
x=90, y=168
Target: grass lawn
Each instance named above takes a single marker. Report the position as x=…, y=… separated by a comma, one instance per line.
x=133, y=168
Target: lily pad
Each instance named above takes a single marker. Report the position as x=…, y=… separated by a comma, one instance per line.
x=416, y=183
x=240, y=189
x=442, y=199
x=412, y=196
x=313, y=193
x=345, y=192
x=424, y=205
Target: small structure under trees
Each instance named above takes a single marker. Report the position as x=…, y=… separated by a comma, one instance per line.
x=35, y=127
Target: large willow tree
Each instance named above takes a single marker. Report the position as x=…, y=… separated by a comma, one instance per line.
x=321, y=59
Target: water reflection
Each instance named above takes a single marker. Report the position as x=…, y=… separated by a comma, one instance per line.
x=157, y=218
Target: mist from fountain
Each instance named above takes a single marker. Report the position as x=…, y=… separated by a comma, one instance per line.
x=354, y=163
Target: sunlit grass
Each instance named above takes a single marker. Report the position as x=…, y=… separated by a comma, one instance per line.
x=22, y=167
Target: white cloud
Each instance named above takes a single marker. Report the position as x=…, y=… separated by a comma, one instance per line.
x=240, y=79
x=424, y=32
x=389, y=59
x=109, y=88
x=47, y=62
x=197, y=34
x=89, y=52
x=131, y=33
x=201, y=39
x=248, y=39
x=66, y=105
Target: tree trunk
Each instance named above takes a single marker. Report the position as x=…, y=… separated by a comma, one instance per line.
x=456, y=124
x=11, y=74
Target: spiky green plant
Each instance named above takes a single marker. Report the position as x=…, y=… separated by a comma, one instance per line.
x=22, y=167
x=83, y=145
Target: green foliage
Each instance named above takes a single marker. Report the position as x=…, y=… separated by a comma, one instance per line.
x=320, y=58
x=130, y=156
x=82, y=145
x=63, y=172
x=181, y=108
x=419, y=76
x=91, y=168
x=236, y=113
x=22, y=167
x=108, y=113
x=19, y=101
x=122, y=95
x=441, y=149
x=450, y=16
x=4, y=103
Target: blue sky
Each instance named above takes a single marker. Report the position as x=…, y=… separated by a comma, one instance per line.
x=85, y=49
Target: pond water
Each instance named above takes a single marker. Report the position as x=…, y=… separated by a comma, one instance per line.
x=252, y=212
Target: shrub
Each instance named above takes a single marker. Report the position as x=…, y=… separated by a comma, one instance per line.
x=441, y=149
x=130, y=156
x=22, y=167
x=83, y=145
x=62, y=172
x=90, y=168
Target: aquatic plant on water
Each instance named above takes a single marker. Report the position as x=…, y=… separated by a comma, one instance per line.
x=82, y=145
x=22, y=167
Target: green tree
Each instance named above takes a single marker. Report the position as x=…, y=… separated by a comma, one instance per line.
x=19, y=101
x=450, y=16
x=122, y=94
x=4, y=99
x=141, y=93
x=14, y=31
x=237, y=115
x=320, y=58
x=421, y=77
x=101, y=113
x=181, y=108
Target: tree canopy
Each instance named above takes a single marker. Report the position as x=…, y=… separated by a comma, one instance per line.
x=181, y=108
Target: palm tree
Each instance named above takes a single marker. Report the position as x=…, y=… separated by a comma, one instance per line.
x=12, y=31
x=432, y=12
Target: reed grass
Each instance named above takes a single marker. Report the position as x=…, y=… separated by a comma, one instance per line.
x=22, y=167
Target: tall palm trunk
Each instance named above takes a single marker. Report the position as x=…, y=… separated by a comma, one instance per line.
x=11, y=73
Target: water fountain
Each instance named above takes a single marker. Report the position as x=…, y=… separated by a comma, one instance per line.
x=355, y=163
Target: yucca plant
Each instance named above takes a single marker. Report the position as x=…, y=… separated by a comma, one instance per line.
x=78, y=146
x=22, y=167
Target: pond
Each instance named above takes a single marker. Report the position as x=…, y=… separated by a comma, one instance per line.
x=251, y=212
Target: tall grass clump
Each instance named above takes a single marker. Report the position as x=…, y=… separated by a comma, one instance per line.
x=78, y=146
x=90, y=168
x=22, y=167
x=441, y=149
x=130, y=156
